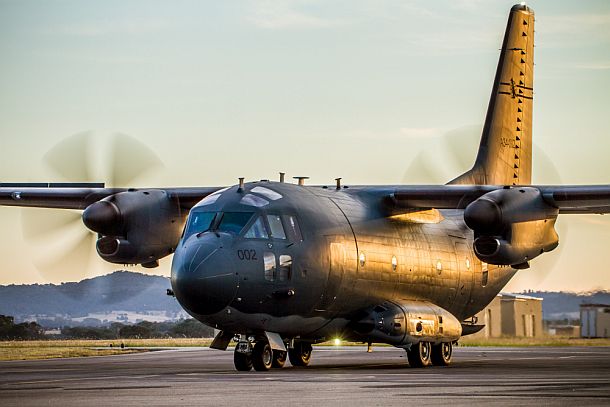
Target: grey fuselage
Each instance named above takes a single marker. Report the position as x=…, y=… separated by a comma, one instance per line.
x=352, y=254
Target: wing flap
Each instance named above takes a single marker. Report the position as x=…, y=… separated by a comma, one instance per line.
x=439, y=196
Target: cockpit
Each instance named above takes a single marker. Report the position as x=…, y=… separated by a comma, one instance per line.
x=255, y=221
x=243, y=247
x=248, y=225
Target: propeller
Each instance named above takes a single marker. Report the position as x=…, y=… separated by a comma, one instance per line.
x=444, y=157
x=64, y=247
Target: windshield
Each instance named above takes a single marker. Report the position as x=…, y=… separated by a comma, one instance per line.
x=198, y=222
x=234, y=222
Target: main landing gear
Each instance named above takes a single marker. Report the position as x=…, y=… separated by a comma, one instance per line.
x=425, y=354
x=261, y=357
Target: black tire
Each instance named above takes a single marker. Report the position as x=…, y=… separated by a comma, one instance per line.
x=419, y=354
x=262, y=356
x=300, y=355
x=279, y=359
x=441, y=354
x=242, y=361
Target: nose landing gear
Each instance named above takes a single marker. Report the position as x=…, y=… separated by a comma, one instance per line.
x=242, y=357
x=279, y=359
x=259, y=355
x=262, y=356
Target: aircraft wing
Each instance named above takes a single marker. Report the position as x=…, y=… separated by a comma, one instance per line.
x=578, y=199
x=575, y=199
x=79, y=196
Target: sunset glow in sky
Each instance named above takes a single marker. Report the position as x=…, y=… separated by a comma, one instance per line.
x=376, y=92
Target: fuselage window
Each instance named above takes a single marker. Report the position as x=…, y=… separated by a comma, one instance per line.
x=292, y=228
x=269, y=259
x=199, y=222
x=484, y=278
x=234, y=222
x=394, y=263
x=285, y=267
x=275, y=223
x=257, y=230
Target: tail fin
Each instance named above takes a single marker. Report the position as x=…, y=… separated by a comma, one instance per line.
x=505, y=152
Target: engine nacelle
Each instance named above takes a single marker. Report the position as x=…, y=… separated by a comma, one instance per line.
x=408, y=323
x=512, y=226
x=135, y=227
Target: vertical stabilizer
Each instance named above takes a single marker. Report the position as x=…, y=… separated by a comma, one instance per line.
x=505, y=152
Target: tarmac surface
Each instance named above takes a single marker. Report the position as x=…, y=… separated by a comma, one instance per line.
x=345, y=376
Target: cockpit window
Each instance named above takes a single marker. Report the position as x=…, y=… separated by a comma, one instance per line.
x=253, y=200
x=213, y=197
x=234, y=222
x=292, y=228
x=277, y=230
x=199, y=222
x=266, y=192
x=257, y=230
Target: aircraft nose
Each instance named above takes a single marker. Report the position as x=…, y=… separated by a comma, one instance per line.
x=203, y=275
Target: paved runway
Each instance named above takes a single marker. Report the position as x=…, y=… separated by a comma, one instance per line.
x=337, y=377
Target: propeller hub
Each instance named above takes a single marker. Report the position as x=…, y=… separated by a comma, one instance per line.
x=103, y=217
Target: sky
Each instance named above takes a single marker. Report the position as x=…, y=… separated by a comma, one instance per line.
x=376, y=92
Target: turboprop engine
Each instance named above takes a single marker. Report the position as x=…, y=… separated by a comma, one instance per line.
x=136, y=226
x=512, y=226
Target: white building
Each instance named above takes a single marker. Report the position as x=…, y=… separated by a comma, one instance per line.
x=595, y=321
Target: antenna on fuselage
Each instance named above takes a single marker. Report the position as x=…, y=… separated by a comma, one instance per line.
x=282, y=174
x=338, y=183
x=301, y=180
x=241, y=184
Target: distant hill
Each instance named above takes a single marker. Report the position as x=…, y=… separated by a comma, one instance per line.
x=560, y=305
x=145, y=295
x=121, y=290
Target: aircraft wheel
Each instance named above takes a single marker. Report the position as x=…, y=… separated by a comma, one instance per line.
x=419, y=354
x=262, y=356
x=279, y=358
x=300, y=355
x=242, y=361
x=442, y=353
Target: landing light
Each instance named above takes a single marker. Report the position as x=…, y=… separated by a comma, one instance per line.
x=337, y=342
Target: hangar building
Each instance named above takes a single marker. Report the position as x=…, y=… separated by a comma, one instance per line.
x=511, y=315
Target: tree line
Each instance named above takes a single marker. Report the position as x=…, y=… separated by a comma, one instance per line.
x=187, y=328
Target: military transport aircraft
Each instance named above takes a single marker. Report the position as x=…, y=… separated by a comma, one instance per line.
x=280, y=266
